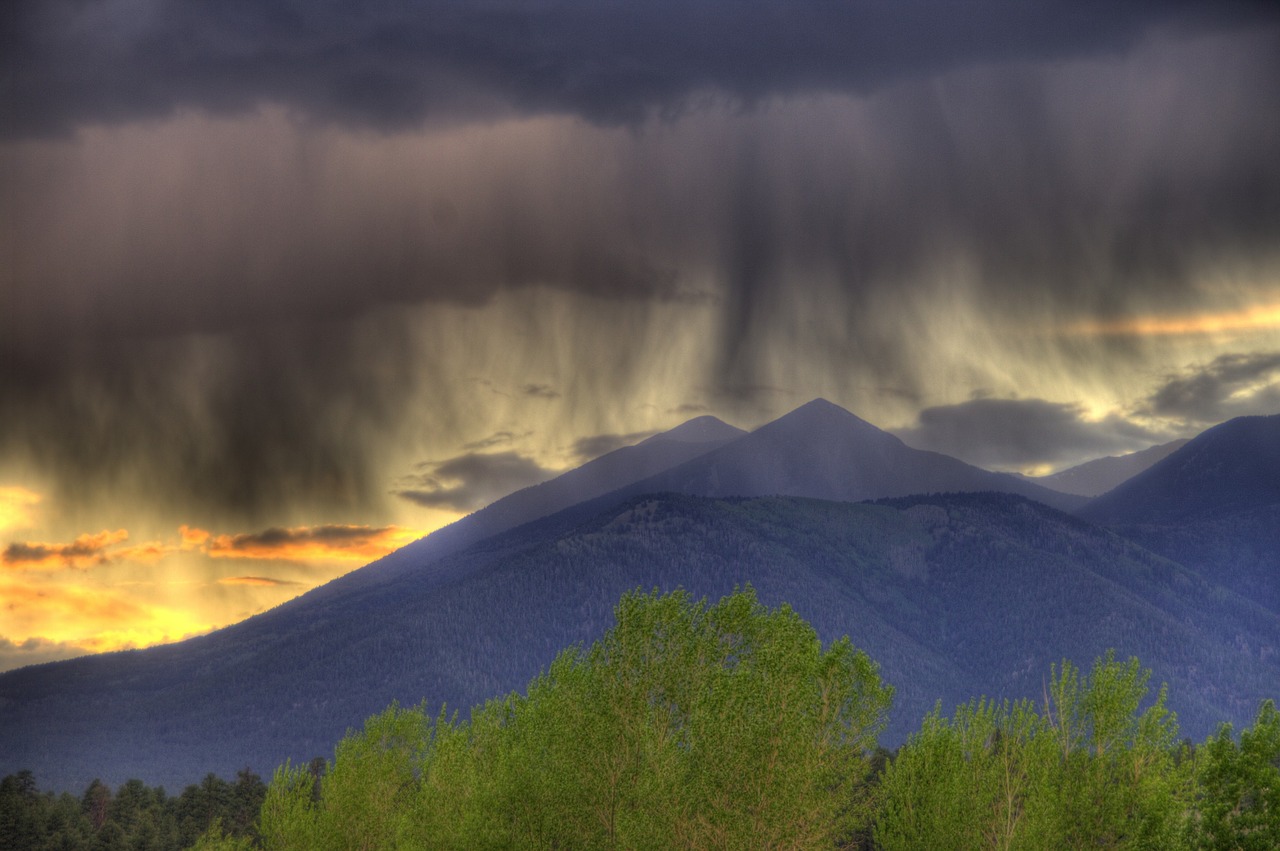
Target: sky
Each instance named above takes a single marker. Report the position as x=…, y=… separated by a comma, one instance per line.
x=285, y=286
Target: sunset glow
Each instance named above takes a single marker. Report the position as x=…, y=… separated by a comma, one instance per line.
x=1261, y=317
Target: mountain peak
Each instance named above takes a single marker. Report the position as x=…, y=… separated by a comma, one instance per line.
x=823, y=420
x=704, y=429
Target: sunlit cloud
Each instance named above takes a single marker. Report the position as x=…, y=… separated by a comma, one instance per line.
x=17, y=507
x=192, y=538
x=1257, y=318
x=85, y=551
x=330, y=543
x=326, y=543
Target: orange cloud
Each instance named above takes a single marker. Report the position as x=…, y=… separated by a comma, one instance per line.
x=192, y=538
x=17, y=507
x=85, y=551
x=352, y=544
x=1249, y=319
x=48, y=610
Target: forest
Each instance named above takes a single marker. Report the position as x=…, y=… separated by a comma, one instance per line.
x=726, y=725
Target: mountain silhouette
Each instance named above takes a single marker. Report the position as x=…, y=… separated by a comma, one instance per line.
x=1229, y=468
x=1213, y=505
x=820, y=450
x=1096, y=477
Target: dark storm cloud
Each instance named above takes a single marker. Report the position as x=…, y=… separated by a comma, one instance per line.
x=471, y=481
x=179, y=302
x=1209, y=393
x=1011, y=433
x=390, y=64
x=243, y=424
x=277, y=538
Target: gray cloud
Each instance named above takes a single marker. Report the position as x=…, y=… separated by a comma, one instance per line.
x=1208, y=393
x=471, y=481
x=498, y=438
x=587, y=448
x=390, y=66
x=35, y=651
x=211, y=309
x=1013, y=433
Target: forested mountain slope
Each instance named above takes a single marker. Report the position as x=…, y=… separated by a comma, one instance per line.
x=1214, y=506
x=952, y=595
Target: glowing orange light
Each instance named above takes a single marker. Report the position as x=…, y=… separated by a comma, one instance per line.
x=1250, y=319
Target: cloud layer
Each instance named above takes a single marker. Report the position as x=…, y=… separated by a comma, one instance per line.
x=249, y=301
x=390, y=66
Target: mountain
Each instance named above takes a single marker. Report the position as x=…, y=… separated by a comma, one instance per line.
x=953, y=595
x=597, y=477
x=1100, y=475
x=1213, y=505
x=820, y=450
x=1227, y=469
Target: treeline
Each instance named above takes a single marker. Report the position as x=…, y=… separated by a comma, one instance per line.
x=134, y=817
x=730, y=726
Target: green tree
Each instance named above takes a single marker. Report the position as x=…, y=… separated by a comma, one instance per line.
x=686, y=725
x=1089, y=770
x=690, y=725
x=1239, y=787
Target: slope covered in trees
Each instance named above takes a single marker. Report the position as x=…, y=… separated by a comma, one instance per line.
x=1213, y=506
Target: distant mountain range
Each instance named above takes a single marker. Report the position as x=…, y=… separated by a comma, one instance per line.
x=955, y=594
x=1096, y=477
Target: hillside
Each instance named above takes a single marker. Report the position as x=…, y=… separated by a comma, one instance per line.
x=1213, y=505
x=952, y=595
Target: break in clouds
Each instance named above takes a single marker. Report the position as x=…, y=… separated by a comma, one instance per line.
x=252, y=256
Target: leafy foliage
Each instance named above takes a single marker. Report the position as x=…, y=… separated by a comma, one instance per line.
x=685, y=726
x=1087, y=771
x=1238, y=805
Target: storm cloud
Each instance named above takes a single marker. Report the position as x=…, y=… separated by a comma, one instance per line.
x=1012, y=433
x=471, y=481
x=1228, y=386
x=392, y=66
x=253, y=255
